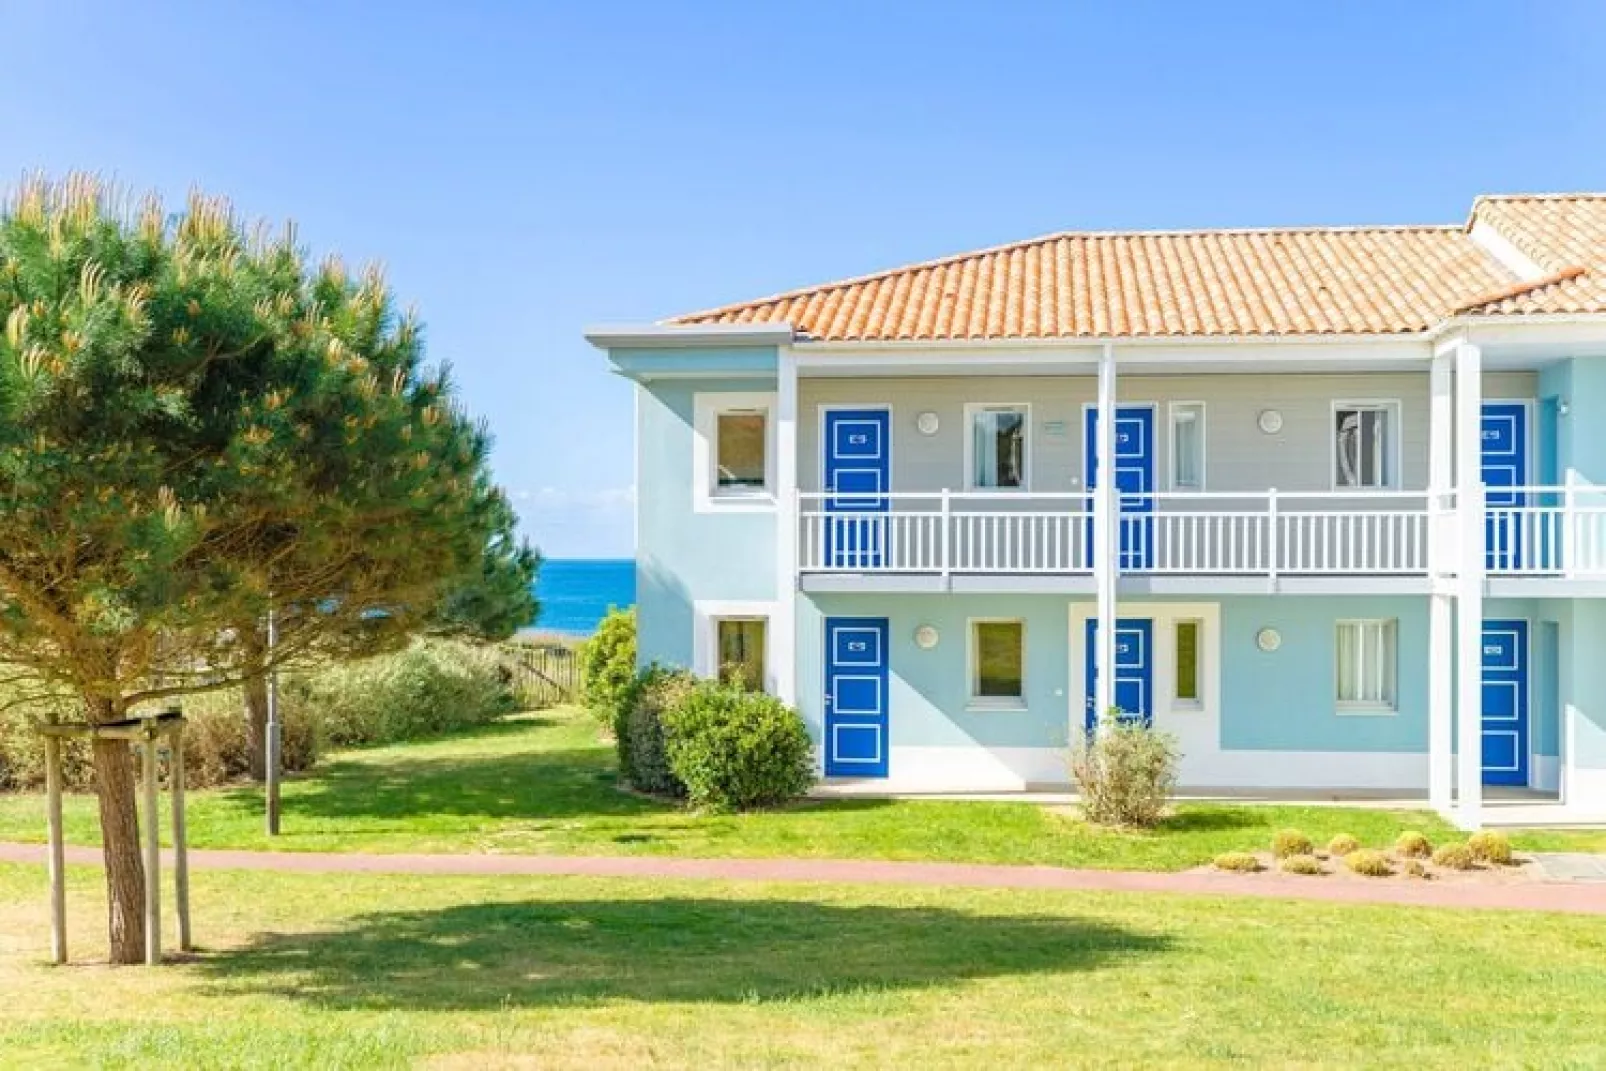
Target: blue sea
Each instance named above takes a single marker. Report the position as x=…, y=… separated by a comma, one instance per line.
x=576, y=592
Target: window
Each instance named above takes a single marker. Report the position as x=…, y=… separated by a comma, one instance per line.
x=739, y=453
x=1186, y=636
x=1363, y=445
x=740, y=650
x=733, y=452
x=997, y=663
x=1187, y=446
x=1365, y=664
x=998, y=444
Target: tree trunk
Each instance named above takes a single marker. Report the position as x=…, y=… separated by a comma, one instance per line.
x=119, y=830
x=256, y=716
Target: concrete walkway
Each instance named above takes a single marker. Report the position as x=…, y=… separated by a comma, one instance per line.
x=1576, y=898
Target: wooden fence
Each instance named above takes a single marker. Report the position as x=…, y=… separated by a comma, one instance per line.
x=544, y=674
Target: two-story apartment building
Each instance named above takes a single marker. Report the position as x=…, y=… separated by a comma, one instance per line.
x=1321, y=502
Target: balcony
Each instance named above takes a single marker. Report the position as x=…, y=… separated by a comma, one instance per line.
x=1295, y=541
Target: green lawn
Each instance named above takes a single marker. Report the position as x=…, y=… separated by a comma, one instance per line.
x=543, y=783
x=324, y=971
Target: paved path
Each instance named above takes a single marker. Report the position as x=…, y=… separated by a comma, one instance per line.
x=1524, y=896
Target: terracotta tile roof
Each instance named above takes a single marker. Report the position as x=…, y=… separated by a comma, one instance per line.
x=1362, y=280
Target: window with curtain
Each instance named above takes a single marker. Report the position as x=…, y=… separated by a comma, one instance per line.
x=741, y=651
x=998, y=662
x=740, y=462
x=1187, y=447
x=1362, y=442
x=998, y=447
x=1366, y=664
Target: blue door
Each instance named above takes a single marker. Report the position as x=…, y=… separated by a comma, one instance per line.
x=1134, y=480
x=856, y=697
x=1505, y=702
x=857, y=470
x=1134, y=669
x=1505, y=470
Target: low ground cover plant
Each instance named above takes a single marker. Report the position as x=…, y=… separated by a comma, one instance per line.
x=1240, y=862
x=1291, y=842
x=1369, y=862
x=1302, y=864
x=1342, y=845
x=1490, y=846
x=1454, y=857
x=1413, y=845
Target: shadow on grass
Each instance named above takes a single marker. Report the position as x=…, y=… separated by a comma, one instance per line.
x=491, y=955
x=1204, y=819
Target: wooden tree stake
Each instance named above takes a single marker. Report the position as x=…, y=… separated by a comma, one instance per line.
x=58, y=852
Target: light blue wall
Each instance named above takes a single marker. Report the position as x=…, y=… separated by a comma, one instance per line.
x=929, y=688
x=1270, y=701
x=683, y=555
x=1583, y=677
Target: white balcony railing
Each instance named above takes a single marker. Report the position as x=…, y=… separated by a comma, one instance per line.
x=1528, y=531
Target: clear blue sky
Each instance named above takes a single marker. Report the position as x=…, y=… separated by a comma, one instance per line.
x=527, y=169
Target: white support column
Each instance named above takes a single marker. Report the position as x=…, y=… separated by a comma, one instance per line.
x=783, y=627
x=1469, y=511
x=1106, y=537
x=1441, y=685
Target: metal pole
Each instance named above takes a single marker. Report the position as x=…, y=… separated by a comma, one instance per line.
x=273, y=741
x=153, y=854
x=58, y=853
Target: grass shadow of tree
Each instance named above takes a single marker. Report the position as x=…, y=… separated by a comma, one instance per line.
x=564, y=952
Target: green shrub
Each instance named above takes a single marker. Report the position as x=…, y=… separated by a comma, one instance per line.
x=643, y=757
x=1413, y=845
x=1490, y=846
x=1342, y=845
x=608, y=668
x=216, y=742
x=1242, y=862
x=431, y=687
x=1290, y=842
x=1454, y=857
x=1373, y=864
x=217, y=737
x=1125, y=772
x=1302, y=864
x=735, y=749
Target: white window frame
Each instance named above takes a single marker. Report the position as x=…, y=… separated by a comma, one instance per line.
x=971, y=409
x=1394, y=430
x=1369, y=707
x=976, y=702
x=705, y=634
x=1199, y=667
x=707, y=496
x=1172, y=411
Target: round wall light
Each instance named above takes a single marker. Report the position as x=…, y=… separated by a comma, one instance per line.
x=927, y=423
x=1268, y=639
x=926, y=637
x=1270, y=421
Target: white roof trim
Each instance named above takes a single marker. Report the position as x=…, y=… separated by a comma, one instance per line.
x=669, y=336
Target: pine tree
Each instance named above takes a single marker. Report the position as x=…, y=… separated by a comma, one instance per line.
x=197, y=424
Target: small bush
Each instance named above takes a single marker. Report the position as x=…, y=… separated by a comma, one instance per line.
x=1126, y=772
x=1241, y=862
x=1373, y=864
x=1342, y=845
x=1454, y=857
x=643, y=756
x=1490, y=846
x=217, y=745
x=736, y=749
x=1301, y=864
x=1413, y=845
x=431, y=687
x=1289, y=842
x=1413, y=868
x=608, y=668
